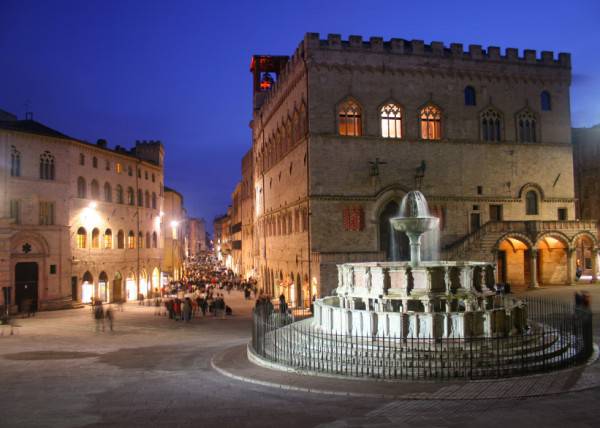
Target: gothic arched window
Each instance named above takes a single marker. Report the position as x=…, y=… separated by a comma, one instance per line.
x=470, y=96
x=130, y=196
x=526, y=127
x=545, y=101
x=140, y=198
x=81, y=237
x=148, y=243
x=531, y=203
x=107, y=239
x=153, y=200
x=121, y=239
x=349, y=119
x=391, y=121
x=154, y=240
x=147, y=199
x=431, y=123
x=491, y=125
x=15, y=162
x=131, y=240
x=81, y=188
x=107, y=192
x=119, y=192
x=95, y=238
x=47, y=166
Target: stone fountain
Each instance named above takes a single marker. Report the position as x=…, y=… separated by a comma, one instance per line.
x=418, y=299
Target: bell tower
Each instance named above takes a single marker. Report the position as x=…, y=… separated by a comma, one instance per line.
x=265, y=70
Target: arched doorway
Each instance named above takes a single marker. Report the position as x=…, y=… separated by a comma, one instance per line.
x=131, y=290
x=102, y=293
x=155, y=281
x=552, y=265
x=393, y=243
x=87, y=288
x=26, y=286
x=144, y=285
x=117, y=288
x=584, y=253
x=514, y=262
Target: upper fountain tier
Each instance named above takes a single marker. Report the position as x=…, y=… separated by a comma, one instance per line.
x=414, y=220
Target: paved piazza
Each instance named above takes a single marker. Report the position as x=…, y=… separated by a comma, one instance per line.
x=56, y=371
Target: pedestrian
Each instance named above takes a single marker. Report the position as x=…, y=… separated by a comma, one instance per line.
x=283, y=307
x=187, y=309
x=99, y=315
x=110, y=317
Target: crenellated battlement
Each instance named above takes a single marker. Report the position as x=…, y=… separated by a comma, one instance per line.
x=437, y=49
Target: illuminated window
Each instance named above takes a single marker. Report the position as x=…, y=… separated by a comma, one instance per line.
x=81, y=188
x=391, y=121
x=107, y=192
x=130, y=196
x=491, y=125
x=95, y=162
x=431, y=123
x=118, y=168
x=153, y=200
x=349, y=119
x=140, y=242
x=545, y=101
x=131, y=240
x=95, y=238
x=81, y=238
x=154, y=240
x=120, y=239
x=47, y=166
x=470, y=97
x=531, y=203
x=95, y=187
x=119, y=192
x=526, y=127
x=15, y=162
x=107, y=239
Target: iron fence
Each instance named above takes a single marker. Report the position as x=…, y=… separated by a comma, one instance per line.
x=557, y=335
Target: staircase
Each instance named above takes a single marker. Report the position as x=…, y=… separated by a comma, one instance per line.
x=480, y=244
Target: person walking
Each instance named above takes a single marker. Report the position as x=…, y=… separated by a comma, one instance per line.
x=109, y=315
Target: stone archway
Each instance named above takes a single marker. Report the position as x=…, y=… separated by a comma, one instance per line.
x=585, y=255
x=515, y=261
x=552, y=260
x=156, y=281
x=117, y=288
x=131, y=289
x=87, y=287
x=102, y=292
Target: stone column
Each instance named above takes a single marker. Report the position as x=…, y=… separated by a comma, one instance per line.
x=571, y=253
x=533, y=270
x=447, y=282
x=594, y=265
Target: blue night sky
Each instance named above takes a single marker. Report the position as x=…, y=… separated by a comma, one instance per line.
x=178, y=71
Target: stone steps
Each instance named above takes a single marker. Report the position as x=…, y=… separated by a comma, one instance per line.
x=295, y=345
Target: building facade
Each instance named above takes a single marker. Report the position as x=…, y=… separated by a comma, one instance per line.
x=175, y=237
x=249, y=252
x=196, y=237
x=79, y=220
x=344, y=128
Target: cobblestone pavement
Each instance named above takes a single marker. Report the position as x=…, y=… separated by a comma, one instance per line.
x=57, y=371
